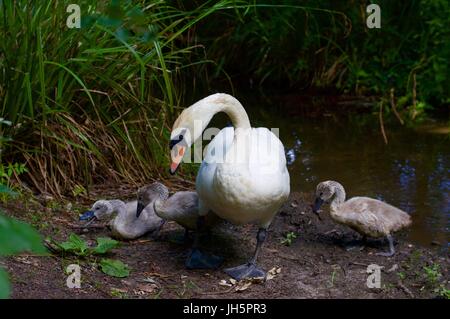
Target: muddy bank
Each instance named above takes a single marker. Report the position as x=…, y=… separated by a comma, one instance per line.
x=315, y=265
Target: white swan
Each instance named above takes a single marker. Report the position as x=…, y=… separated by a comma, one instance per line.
x=368, y=216
x=123, y=221
x=243, y=178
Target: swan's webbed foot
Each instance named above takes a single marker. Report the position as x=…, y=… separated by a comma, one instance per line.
x=391, y=251
x=199, y=260
x=248, y=270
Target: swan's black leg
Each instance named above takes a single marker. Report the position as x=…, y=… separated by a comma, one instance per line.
x=391, y=251
x=198, y=259
x=250, y=269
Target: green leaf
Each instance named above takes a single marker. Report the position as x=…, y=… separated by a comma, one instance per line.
x=17, y=236
x=75, y=245
x=105, y=244
x=4, y=284
x=114, y=268
x=6, y=190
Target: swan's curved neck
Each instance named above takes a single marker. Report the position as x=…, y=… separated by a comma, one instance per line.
x=216, y=103
x=339, y=196
x=237, y=114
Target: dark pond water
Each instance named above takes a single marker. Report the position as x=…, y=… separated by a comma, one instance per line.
x=411, y=172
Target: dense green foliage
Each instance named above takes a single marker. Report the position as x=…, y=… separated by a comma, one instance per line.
x=93, y=101
x=326, y=44
x=97, y=103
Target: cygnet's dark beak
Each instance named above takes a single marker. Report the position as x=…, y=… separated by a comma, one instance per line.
x=317, y=204
x=139, y=209
x=87, y=216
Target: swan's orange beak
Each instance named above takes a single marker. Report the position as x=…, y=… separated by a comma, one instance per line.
x=177, y=154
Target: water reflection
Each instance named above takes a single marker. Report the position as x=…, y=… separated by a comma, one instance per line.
x=412, y=172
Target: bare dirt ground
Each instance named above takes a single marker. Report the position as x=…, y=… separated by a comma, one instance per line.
x=315, y=265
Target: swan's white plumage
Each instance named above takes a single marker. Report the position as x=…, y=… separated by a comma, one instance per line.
x=243, y=177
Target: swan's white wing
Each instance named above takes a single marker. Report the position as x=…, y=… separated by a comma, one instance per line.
x=250, y=183
x=214, y=153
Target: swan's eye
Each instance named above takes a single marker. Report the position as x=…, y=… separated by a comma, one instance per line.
x=175, y=141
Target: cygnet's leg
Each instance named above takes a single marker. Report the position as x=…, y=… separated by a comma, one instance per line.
x=250, y=269
x=391, y=251
x=198, y=259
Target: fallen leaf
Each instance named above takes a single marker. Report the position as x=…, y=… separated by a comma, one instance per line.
x=149, y=288
x=224, y=283
x=114, y=268
x=244, y=286
x=272, y=273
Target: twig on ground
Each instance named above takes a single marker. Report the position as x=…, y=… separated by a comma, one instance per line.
x=405, y=289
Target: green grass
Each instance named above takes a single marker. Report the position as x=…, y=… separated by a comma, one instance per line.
x=97, y=102
x=432, y=273
x=93, y=104
x=288, y=239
